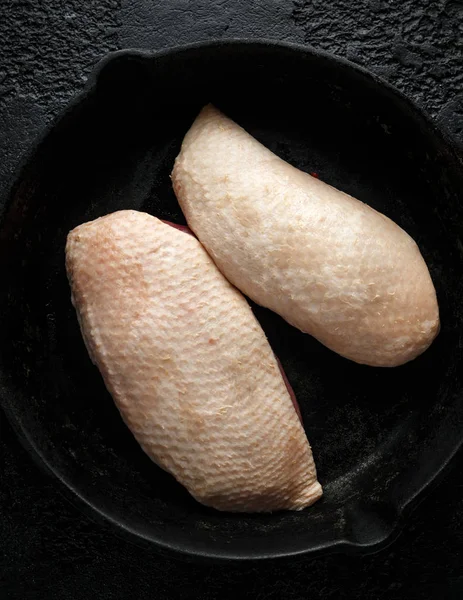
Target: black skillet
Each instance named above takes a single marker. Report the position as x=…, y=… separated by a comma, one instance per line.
x=379, y=436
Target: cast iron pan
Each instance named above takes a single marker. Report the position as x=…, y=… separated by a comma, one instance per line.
x=379, y=435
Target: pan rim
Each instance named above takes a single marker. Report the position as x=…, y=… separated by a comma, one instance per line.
x=70, y=492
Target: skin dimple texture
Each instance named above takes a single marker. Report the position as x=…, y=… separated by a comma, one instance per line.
x=326, y=262
x=188, y=365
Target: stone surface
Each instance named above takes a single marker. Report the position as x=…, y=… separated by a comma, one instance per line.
x=414, y=44
x=47, y=50
x=47, y=548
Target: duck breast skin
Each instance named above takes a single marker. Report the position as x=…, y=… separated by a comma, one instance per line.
x=188, y=365
x=329, y=264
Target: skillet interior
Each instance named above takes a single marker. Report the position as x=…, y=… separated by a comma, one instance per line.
x=379, y=435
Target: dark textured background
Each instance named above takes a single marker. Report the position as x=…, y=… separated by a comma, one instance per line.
x=47, y=48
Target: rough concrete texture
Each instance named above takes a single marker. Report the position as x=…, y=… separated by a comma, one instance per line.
x=47, y=49
x=414, y=44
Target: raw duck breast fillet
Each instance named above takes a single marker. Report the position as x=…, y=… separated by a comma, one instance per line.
x=188, y=365
x=329, y=264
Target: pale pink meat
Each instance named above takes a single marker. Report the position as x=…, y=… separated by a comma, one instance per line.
x=283, y=374
x=326, y=262
x=188, y=365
